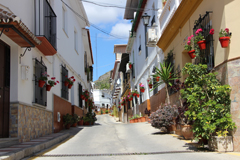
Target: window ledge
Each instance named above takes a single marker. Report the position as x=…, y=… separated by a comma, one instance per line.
x=39, y=105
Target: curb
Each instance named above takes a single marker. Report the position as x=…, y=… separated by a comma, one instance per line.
x=17, y=155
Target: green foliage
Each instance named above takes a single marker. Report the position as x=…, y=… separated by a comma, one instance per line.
x=75, y=118
x=106, y=111
x=67, y=119
x=101, y=112
x=209, y=102
x=166, y=76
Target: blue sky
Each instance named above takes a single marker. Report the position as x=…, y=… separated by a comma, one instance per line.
x=111, y=20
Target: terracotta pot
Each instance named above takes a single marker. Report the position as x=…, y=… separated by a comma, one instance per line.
x=68, y=126
x=138, y=95
x=80, y=123
x=131, y=121
x=171, y=129
x=187, y=132
x=202, y=140
x=70, y=86
x=41, y=83
x=191, y=54
x=202, y=44
x=139, y=120
x=224, y=41
x=74, y=125
x=86, y=123
x=130, y=66
x=66, y=83
x=150, y=85
x=142, y=90
x=178, y=130
x=143, y=119
x=135, y=120
x=164, y=3
x=157, y=79
x=48, y=87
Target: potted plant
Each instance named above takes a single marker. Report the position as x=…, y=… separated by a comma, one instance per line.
x=163, y=117
x=86, y=121
x=75, y=120
x=224, y=37
x=157, y=78
x=69, y=82
x=51, y=83
x=188, y=47
x=150, y=85
x=199, y=39
x=141, y=86
x=209, y=105
x=42, y=79
x=80, y=123
x=106, y=111
x=86, y=95
x=67, y=119
x=130, y=65
x=101, y=112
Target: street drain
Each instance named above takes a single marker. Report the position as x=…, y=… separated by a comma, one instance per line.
x=112, y=154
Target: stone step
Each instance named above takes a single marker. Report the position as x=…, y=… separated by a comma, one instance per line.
x=6, y=142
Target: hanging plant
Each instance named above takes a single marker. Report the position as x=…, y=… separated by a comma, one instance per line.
x=42, y=79
x=224, y=37
x=189, y=48
x=51, y=83
x=141, y=86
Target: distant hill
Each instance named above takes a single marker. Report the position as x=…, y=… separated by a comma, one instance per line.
x=103, y=81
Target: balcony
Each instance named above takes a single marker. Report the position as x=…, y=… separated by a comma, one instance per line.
x=46, y=27
x=174, y=15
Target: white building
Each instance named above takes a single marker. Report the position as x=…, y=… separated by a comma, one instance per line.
x=60, y=45
x=102, y=98
x=144, y=54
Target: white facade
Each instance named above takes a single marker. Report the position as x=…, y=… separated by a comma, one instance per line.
x=102, y=98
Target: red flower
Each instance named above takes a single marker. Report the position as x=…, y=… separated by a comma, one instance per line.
x=227, y=30
x=65, y=76
x=72, y=77
x=57, y=81
x=74, y=80
x=53, y=78
x=211, y=31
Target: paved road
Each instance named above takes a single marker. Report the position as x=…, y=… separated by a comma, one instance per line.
x=112, y=140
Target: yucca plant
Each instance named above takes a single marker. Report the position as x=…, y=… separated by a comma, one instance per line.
x=166, y=77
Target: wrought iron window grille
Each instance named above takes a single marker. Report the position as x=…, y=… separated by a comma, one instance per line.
x=80, y=104
x=205, y=56
x=64, y=91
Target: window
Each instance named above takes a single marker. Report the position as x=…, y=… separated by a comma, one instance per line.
x=153, y=15
x=140, y=96
x=154, y=82
x=80, y=104
x=64, y=91
x=133, y=69
x=40, y=93
x=64, y=16
x=75, y=40
x=85, y=61
x=139, y=48
x=170, y=60
x=206, y=55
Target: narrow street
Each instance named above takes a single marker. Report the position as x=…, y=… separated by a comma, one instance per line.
x=112, y=140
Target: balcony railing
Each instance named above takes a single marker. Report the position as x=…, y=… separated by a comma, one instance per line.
x=45, y=21
x=167, y=13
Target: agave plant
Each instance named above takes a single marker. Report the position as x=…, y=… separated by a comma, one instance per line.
x=166, y=77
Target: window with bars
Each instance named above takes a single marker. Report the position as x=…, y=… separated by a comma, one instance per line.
x=140, y=97
x=154, y=82
x=40, y=93
x=80, y=104
x=64, y=91
x=206, y=56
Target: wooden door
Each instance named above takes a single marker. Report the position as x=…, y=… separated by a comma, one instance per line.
x=4, y=89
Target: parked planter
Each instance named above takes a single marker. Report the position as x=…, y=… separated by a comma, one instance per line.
x=224, y=41
x=202, y=44
x=139, y=119
x=178, y=130
x=41, y=83
x=74, y=125
x=150, y=86
x=131, y=121
x=192, y=54
x=171, y=129
x=66, y=83
x=143, y=119
x=86, y=123
x=68, y=126
x=70, y=86
x=48, y=87
x=135, y=120
x=80, y=123
x=187, y=132
x=142, y=90
x=221, y=144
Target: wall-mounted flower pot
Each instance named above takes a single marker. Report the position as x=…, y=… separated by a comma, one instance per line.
x=130, y=66
x=142, y=90
x=192, y=54
x=48, y=87
x=138, y=95
x=41, y=83
x=70, y=86
x=202, y=44
x=157, y=79
x=66, y=83
x=224, y=41
x=150, y=86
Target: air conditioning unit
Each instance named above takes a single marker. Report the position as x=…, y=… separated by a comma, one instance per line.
x=127, y=68
x=151, y=37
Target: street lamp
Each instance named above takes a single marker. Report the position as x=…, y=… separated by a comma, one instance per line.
x=146, y=19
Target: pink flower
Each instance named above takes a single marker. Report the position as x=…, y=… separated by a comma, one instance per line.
x=48, y=75
x=53, y=78
x=189, y=43
x=211, y=31
x=191, y=36
x=57, y=81
x=227, y=30
x=197, y=32
x=200, y=30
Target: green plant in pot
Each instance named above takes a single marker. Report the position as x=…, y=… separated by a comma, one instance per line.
x=209, y=103
x=106, y=111
x=67, y=119
x=75, y=120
